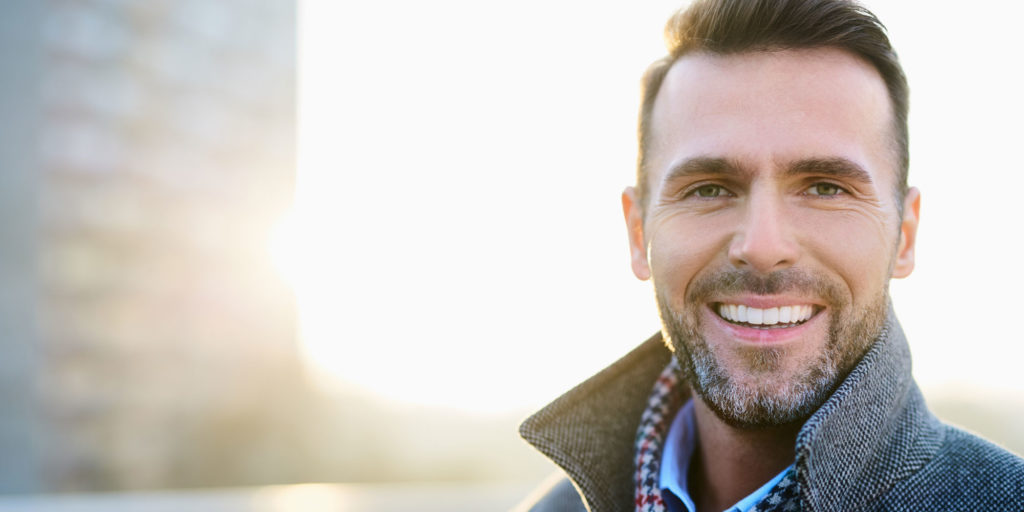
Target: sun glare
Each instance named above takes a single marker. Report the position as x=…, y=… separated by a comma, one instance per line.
x=303, y=251
x=411, y=285
x=284, y=248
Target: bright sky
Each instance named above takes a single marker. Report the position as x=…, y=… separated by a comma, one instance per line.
x=457, y=238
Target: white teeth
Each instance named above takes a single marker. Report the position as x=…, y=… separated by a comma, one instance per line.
x=805, y=313
x=769, y=316
x=785, y=313
x=754, y=316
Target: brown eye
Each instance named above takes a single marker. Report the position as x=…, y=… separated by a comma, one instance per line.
x=824, y=189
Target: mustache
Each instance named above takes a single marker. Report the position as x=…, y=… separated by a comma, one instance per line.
x=788, y=280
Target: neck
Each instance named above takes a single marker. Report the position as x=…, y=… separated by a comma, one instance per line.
x=731, y=463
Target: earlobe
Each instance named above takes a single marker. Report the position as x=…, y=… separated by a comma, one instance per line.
x=904, y=264
x=633, y=212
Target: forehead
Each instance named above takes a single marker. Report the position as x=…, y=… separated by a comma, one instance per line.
x=768, y=108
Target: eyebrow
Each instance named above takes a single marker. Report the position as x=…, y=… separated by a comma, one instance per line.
x=705, y=166
x=834, y=167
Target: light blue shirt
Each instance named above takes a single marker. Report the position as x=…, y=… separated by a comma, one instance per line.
x=680, y=444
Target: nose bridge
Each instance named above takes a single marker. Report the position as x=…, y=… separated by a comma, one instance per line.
x=763, y=241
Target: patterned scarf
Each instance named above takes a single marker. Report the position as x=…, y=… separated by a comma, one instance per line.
x=654, y=423
x=662, y=405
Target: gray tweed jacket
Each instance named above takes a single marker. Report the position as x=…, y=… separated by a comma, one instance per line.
x=873, y=445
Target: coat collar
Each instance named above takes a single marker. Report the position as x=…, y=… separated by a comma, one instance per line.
x=873, y=431
x=590, y=431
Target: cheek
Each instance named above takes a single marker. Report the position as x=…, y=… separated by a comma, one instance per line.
x=681, y=249
x=857, y=246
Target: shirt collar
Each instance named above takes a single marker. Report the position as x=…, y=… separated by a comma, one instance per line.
x=680, y=443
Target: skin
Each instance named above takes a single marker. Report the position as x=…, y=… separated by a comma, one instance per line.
x=768, y=163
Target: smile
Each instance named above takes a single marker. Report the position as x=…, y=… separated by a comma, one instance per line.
x=770, y=318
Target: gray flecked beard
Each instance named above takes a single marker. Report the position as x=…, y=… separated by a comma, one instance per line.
x=769, y=403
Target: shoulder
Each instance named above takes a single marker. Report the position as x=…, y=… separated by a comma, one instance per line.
x=966, y=473
x=557, y=494
x=979, y=464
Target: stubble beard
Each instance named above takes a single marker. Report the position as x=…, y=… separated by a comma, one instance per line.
x=770, y=400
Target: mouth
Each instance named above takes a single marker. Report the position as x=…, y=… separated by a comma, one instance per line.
x=781, y=317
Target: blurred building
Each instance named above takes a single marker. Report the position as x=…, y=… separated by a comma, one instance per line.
x=148, y=149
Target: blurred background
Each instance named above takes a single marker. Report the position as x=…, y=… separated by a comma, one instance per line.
x=325, y=255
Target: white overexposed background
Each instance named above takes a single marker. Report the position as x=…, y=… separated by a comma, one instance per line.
x=457, y=238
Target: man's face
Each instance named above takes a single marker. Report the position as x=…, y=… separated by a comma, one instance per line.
x=771, y=226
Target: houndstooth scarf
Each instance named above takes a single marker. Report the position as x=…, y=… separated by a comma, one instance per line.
x=662, y=404
x=650, y=436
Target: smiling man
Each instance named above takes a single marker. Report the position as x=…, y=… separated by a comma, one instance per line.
x=770, y=211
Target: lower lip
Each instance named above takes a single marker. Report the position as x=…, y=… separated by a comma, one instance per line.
x=769, y=336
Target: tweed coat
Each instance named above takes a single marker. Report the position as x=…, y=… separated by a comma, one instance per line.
x=873, y=445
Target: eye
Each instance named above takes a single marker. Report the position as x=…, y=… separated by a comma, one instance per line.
x=825, y=189
x=708, y=191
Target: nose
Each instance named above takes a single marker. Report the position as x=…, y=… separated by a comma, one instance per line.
x=764, y=241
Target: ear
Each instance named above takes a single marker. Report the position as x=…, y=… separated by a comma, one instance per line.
x=633, y=211
x=908, y=234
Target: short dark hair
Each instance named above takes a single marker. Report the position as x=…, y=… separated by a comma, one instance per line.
x=725, y=27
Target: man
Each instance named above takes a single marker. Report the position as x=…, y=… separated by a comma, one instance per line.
x=770, y=211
